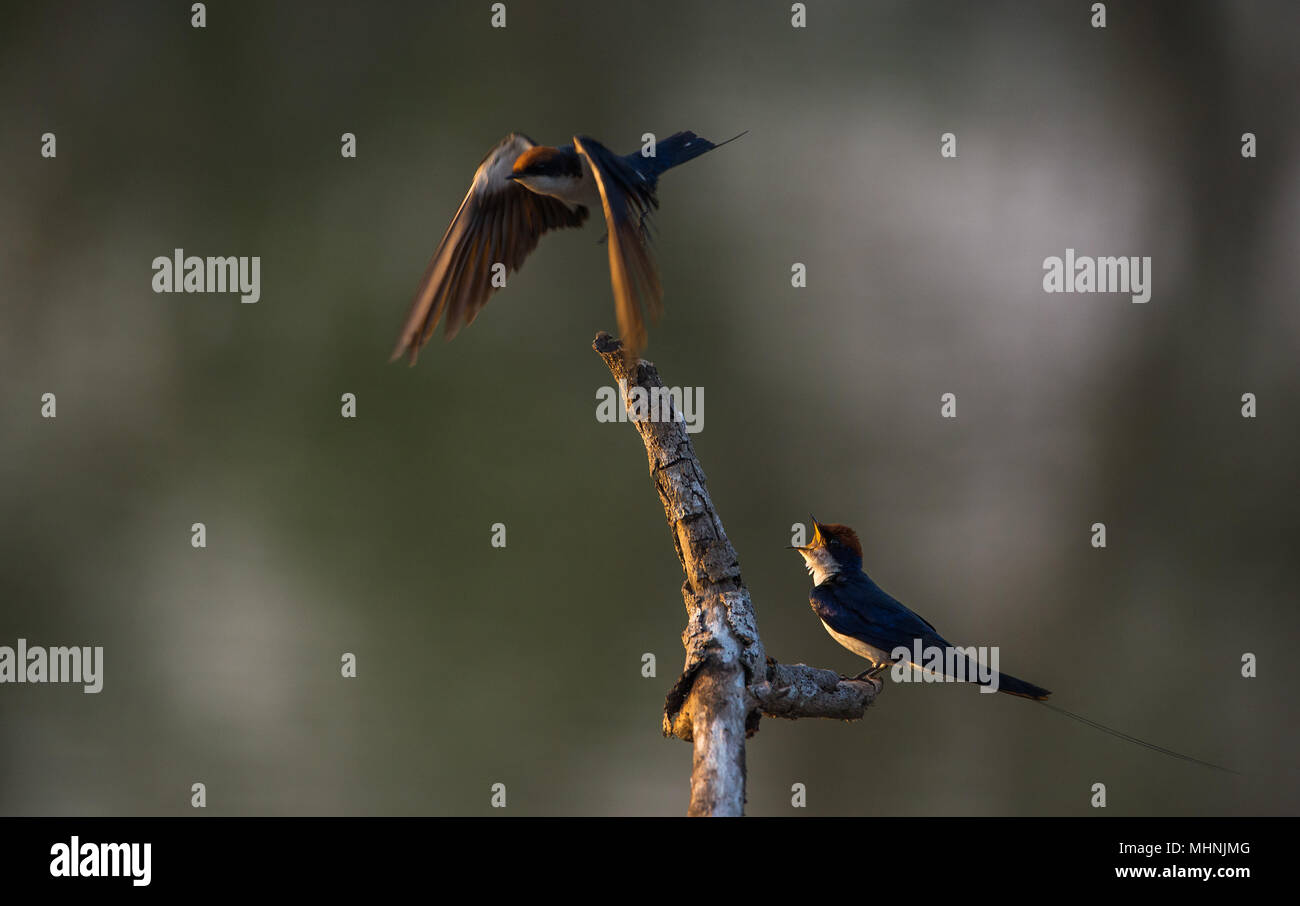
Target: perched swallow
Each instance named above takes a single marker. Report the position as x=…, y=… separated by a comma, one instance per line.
x=864, y=619
x=521, y=190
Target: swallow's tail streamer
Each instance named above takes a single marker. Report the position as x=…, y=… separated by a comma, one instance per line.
x=1118, y=734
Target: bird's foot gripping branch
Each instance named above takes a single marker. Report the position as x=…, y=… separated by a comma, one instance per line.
x=728, y=681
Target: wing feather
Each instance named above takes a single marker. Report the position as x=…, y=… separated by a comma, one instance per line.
x=627, y=200
x=497, y=221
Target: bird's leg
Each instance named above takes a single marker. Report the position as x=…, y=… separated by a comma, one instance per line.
x=873, y=672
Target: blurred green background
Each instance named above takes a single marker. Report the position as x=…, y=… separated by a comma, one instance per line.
x=522, y=665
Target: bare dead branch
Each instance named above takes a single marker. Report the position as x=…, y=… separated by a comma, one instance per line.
x=797, y=690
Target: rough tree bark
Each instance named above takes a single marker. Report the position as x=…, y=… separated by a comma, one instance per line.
x=728, y=682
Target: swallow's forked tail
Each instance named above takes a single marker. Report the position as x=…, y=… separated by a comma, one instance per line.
x=676, y=149
x=1119, y=734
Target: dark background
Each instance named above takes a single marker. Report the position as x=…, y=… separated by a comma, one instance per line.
x=522, y=665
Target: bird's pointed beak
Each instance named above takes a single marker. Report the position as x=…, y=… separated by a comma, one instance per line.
x=817, y=531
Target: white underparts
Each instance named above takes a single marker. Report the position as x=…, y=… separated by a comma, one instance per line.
x=567, y=189
x=859, y=647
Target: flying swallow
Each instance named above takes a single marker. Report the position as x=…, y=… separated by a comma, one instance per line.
x=863, y=618
x=523, y=189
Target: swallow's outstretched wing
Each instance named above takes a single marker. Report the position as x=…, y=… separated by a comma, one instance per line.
x=498, y=222
x=628, y=198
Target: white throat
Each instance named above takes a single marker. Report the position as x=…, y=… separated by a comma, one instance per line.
x=821, y=565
